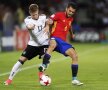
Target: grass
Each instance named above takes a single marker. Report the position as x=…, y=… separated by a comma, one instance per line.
x=93, y=64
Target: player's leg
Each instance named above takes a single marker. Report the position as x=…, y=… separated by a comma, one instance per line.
x=15, y=70
x=27, y=54
x=74, y=66
x=51, y=47
x=17, y=66
x=47, y=55
x=71, y=52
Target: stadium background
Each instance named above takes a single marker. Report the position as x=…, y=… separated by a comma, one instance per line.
x=91, y=44
x=90, y=24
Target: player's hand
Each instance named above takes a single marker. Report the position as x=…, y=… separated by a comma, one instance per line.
x=46, y=30
x=73, y=36
x=30, y=27
x=49, y=21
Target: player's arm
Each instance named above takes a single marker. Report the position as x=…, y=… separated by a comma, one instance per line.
x=52, y=18
x=48, y=23
x=69, y=35
x=46, y=29
x=29, y=24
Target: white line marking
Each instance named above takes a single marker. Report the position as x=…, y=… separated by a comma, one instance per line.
x=60, y=59
x=29, y=67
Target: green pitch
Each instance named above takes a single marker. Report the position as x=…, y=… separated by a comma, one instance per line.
x=93, y=70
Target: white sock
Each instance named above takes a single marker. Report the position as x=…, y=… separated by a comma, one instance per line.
x=14, y=70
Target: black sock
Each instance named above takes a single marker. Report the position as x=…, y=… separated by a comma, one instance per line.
x=74, y=68
x=46, y=59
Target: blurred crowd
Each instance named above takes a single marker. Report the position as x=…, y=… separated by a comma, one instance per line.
x=93, y=13
x=90, y=22
x=90, y=14
x=13, y=12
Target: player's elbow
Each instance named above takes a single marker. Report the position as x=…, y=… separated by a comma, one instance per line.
x=30, y=27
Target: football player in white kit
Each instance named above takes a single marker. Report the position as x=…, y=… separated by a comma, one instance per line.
x=36, y=25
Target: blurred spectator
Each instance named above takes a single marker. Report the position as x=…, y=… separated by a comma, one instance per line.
x=19, y=18
x=8, y=22
x=1, y=16
x=91, y=13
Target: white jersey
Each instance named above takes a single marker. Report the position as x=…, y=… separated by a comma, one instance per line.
x=37, y=36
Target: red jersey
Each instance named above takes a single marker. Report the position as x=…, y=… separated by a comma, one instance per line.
x=61, y=25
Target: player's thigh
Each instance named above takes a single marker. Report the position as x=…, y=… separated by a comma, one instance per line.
x=30, y=52
x=52, y=46
x=52, y=43
x=72, y=53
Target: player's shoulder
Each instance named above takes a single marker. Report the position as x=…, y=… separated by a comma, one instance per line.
x=59, y=13
x=42, y=16
x=28, y=18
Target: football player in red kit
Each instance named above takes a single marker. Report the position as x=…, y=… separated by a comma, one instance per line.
x=61, y=25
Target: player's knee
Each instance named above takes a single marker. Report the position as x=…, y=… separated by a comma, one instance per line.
x=75, y=57
x=22, y=62
x=22, y=59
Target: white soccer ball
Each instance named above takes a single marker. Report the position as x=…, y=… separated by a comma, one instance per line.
x=45, y=80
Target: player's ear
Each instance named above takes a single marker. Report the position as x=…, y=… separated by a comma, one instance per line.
x=29, y=12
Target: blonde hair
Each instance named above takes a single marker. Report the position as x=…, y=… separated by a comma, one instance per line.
x=33, y=8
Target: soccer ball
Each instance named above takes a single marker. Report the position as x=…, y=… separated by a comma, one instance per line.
x=45, y=80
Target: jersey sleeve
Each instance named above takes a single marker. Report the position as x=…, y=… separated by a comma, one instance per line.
x=55, y=16
x=43, y=16
x=27, y=21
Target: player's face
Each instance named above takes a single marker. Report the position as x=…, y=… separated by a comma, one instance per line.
x=35, y=15
x=70, y=11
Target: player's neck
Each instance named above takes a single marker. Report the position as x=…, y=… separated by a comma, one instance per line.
x=36, y=18
x=66, y=15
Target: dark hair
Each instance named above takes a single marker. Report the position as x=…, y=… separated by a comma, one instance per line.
x=33, y=8
x=72, y=4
